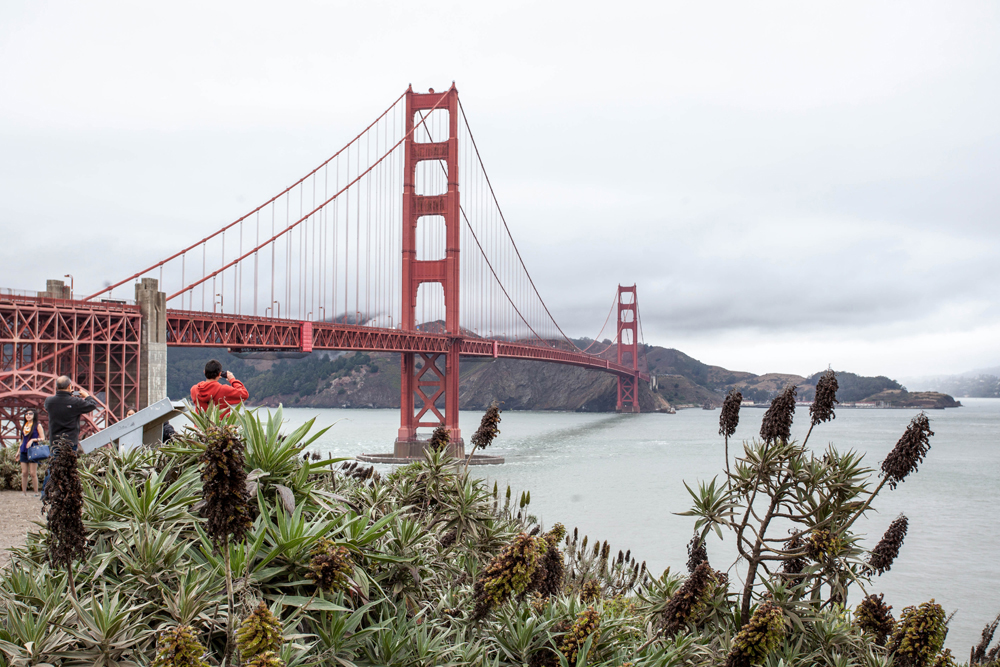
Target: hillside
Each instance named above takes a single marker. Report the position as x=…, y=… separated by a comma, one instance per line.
x=851, y=388
x=358, y=380
x=923, y=400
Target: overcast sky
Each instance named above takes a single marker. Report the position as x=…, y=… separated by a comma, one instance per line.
x=790, y=185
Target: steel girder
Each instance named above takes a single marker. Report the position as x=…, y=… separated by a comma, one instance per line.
x=244, y=332
x=95, y=344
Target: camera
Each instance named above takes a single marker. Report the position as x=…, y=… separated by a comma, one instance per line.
x=223, y=374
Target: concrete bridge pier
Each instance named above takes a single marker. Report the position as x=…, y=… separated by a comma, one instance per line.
x=152, y=342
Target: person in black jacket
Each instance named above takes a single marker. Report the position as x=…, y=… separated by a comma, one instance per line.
x=65, y=411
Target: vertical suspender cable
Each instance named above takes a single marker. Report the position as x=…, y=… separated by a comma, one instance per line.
x=256, y=263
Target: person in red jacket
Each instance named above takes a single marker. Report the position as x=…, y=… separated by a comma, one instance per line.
x=212, y=391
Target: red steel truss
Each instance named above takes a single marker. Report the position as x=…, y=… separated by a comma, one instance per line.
x=95, y=344
x=243, y=332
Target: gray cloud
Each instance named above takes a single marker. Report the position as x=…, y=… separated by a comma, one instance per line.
x=782, y=172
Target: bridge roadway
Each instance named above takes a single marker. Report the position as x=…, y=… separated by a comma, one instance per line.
x=199, y=329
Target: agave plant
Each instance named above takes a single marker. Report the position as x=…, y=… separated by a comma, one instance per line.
x=109, y=631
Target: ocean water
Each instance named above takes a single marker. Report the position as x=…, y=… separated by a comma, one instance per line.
x=621, y=478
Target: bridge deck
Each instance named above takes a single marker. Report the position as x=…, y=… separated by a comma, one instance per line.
x=197, y=329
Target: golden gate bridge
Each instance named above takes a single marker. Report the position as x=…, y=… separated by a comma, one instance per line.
x=375, y=249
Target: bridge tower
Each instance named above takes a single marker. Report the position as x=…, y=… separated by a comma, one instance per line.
x=429, y=377
x=628, y=387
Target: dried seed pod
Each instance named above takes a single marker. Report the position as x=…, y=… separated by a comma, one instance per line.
x=488, y=427
x=548, y=577
x=440, y=439
x=179, y=647
x=794, y=564
x=508, y=574
x=821, y=409
x=887, y=549
x=909, y=451
x=944, y=659
x=820, y=544
x=330, y=566
x=67, y=538
x=919, y=635
x=590, y=591
x=224, y=480
x=980, y=654
x=874, y=616
x=777, y=423
x=555, y=534
x=762, y=634
x=730, y=417
x=260, y=632
x=265, y=659
x=681, y=607
x=697, y=553
x=587, y=623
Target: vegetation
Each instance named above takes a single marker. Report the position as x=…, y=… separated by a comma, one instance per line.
x=852, y=388
x=292, y=378
x=425, y=565
x=10, y=468
x=186, y=367
x=286, y=377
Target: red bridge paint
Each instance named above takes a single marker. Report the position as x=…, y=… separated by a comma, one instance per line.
x=101, y=345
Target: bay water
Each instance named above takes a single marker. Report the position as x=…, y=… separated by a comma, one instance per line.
x=621, y=478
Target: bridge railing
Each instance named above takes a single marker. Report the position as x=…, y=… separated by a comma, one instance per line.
x=35, y=298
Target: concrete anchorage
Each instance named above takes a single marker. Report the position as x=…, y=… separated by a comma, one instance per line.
x=152, y=342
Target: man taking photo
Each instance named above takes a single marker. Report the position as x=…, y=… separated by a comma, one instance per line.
x=211, y=391
x=65, y=410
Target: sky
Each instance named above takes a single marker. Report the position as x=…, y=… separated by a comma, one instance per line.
x=790, y=185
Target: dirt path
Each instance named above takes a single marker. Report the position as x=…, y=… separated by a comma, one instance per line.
x=17, y=515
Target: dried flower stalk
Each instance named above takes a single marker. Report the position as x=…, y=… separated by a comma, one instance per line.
x=777, y=423
x=885, y=552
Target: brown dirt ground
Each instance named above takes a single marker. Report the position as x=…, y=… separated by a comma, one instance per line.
x=19, y=514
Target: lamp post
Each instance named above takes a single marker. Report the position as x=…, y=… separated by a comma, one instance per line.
x=70, y=276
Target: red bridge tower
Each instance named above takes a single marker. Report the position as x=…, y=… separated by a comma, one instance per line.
x=427, y=377
x=628, y=386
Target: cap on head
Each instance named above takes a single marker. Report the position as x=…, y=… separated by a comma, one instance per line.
x=62, y=383
x=213, y=369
